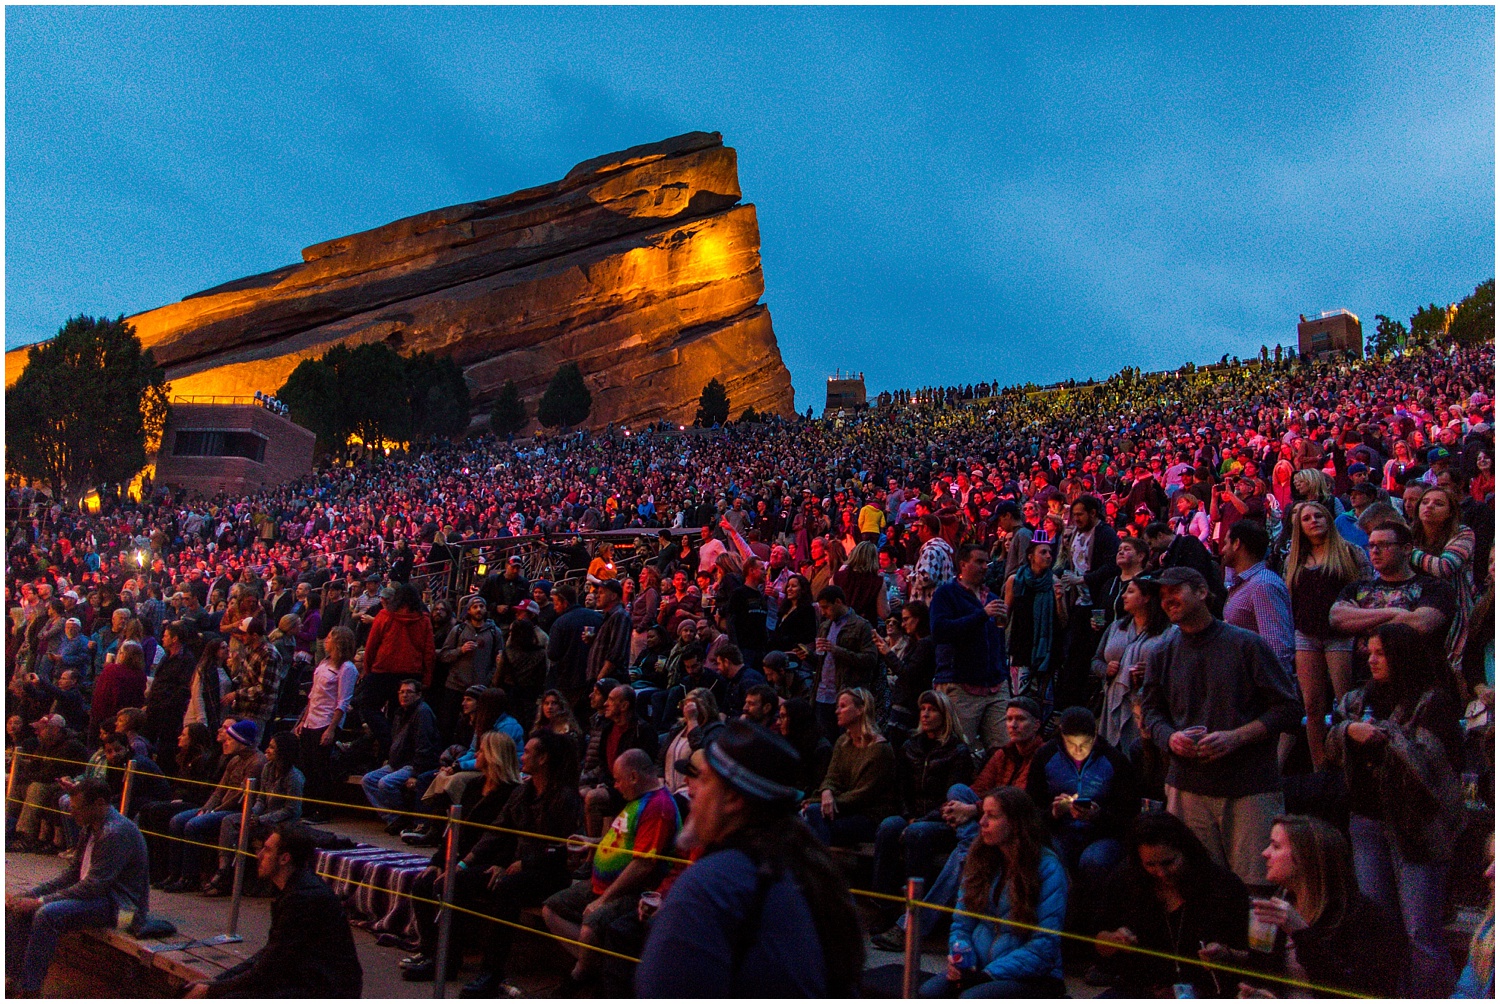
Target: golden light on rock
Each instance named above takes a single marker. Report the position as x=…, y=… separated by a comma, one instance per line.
x=641, y=267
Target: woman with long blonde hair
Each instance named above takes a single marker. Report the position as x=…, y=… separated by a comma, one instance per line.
x=860, y=787
x=1318, y=567
x=1445, y=550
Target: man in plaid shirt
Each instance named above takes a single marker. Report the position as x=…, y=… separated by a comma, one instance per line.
x=256, y=670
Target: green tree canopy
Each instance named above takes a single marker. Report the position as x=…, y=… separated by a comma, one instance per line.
x=508, y=415
x=566, y=401
x=749, y=414
x=1475, y=319
x=1390, y=335
x=438, y=394
x=1429, y=323
x=89, y=406
x=361, y=391
x=713, y=405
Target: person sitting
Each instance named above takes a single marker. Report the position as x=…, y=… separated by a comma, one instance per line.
x=761, y=704
x=309, y=952
x=108, y=875
x=625, y=862
x=1086, y=790
x=39, y=777
x=200, y=826
x=554, y=715
x=504, y=871
x=481, y=804
x=860, y=788
x=763, y=912
x=197, y=769
x=1168, y=897
x=1009, y=766
x=619, y=731
x=931, y=762
x=1013, y=875
x=797, y=723
x=414, y=749
x=278, y=799
x=700, y=719
x=483, y=710
x=1327, y=932
x=1477, y=981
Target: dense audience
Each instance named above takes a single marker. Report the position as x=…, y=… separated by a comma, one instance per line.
x=1195, y=662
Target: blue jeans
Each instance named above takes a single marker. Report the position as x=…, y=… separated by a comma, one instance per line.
x=183, y=858
x=50, y=922
x=386, y=789
x=944, y=888
x=938, y=986
x=906, y=850
x=1090, y=858
x=841, y=831
x=1418, y=892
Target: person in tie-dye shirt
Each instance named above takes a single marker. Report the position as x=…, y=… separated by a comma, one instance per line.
x=632, y=857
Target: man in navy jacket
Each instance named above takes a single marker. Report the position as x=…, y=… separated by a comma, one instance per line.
x=968, y=633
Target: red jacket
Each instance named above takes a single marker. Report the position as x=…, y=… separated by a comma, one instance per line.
x=116, y=688
x=401, y=642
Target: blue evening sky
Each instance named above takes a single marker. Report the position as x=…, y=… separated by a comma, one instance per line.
x=945, y=195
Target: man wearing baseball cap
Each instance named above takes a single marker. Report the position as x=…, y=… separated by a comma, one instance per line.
x=748, y=913
x=1217, y=699
x=38, y=779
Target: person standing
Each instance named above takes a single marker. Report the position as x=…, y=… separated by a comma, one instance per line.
x=1087, y=564
x=1216, y=698
x=328, y=703
x=469, y=650
x=1258, y=599
x=400, y=648
x=969, y=650
x=609, y=656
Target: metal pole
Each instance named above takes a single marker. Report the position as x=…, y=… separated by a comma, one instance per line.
x=912, y=970
x=239, y=860
x=125, y=791
x=445, y=914
x=10, y=781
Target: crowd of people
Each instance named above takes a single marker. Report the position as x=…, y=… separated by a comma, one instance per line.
x=1197, y=662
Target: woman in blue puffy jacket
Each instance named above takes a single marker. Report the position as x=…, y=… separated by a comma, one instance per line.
x=1012, y=875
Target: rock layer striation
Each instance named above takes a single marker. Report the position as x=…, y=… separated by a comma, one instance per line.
x=643, y=267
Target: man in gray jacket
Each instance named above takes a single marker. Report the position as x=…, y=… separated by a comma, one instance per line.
x=109, y=875
x=469, y=652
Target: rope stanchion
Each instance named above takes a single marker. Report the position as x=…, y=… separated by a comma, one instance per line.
x=445, y=913
x=125, y=790
x=911, y=972
x=10, y=780
x=233, y=934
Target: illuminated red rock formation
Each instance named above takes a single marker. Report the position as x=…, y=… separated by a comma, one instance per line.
x=642, y=267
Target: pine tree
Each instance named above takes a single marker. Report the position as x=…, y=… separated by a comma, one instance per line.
x=567, y=400
x=508, y=415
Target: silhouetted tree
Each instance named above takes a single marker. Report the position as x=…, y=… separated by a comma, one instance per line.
x=713, y=405
x=508, y=414
x=566, y=401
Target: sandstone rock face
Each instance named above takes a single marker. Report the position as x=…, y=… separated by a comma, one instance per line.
x=642, y=267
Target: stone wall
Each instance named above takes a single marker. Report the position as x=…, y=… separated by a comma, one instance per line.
x=643, y=267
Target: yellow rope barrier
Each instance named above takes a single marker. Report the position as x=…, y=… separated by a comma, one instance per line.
x=901, y=900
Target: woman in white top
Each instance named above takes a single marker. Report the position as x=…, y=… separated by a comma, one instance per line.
x=327, y=703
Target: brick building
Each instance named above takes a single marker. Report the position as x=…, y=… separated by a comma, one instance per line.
x=1331, y=331
x=846, y=392
x=230, y=444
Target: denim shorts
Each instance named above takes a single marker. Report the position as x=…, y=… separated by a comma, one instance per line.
x=1307, y=643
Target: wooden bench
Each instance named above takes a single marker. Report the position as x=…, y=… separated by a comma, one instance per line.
x=155, y=965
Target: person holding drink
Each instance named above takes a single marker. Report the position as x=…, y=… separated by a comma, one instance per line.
x=1216, y=697
x=1317, y=928
x=1011, y=874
